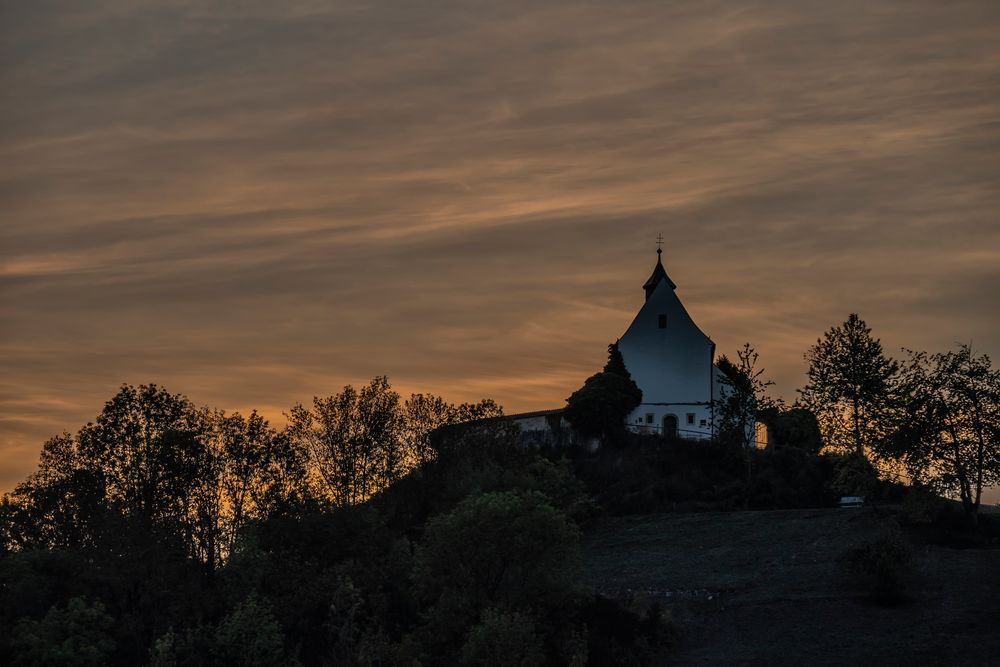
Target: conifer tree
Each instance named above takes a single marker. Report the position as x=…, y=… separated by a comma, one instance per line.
x=599, y=407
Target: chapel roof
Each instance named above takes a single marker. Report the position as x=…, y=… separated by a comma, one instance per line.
x=659, y=273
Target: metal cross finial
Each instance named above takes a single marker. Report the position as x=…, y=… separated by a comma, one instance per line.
x=659, y=243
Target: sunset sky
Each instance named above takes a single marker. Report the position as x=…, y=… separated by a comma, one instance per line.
x=252, y=203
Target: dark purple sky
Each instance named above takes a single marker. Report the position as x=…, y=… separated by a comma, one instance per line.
x=259, y=202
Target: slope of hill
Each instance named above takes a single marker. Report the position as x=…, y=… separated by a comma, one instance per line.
x=766, y=588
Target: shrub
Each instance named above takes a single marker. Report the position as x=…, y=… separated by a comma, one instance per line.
x=503, y=638
x=77, y=634
x=509, y=550
x=881, y=567
x=249, y=636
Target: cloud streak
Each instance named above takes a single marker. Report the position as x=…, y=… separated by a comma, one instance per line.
x=260, y=205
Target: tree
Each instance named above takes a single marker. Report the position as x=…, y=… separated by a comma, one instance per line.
x=599, y=407
x=506, y=551
x=350, y=440
x=260, y=472
x=423, y=414
x=148, y=445
x=61, y=505
x=78, y=634
x=503, y=639
x=477, y=434
x=850, y=385
x=250, y=636
x=359, y=442
x=744, y=395
x=947, y=428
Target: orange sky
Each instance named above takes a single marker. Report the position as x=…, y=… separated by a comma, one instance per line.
x=254, y=204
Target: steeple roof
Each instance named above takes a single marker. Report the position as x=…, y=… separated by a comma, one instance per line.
x=659, y=273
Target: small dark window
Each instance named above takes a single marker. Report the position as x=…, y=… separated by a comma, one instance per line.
x=649, y=418
x=704, y=423
x=691, y=418
x=663, y=321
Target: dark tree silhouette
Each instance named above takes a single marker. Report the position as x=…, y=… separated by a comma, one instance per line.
x=797, y=428
x=850, y=385
x=148, y=446
x=166, y=534
x=947, y=428
x=744, y=395
x=599, y=407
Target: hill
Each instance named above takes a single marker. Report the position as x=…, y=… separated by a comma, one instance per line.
x=766, y=587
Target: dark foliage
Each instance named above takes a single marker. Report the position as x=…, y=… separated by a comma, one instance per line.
x=650, y=475
x=172, y=559
x=850, y=386
x=946, y=426
x=881, y=568
x=944, y=524
x=598, y=408
x=795, y=428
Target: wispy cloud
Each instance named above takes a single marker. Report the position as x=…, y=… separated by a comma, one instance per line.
x=260, y=204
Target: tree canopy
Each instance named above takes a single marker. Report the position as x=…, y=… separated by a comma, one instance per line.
x=946, y=426
x=850, y=382
x=599, y=407
x=362, y=533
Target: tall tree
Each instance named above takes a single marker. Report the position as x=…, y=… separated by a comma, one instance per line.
x=850, y=385
x=423, y=414
x=380, y=417
x=947, y=431
x=259, y=472
x=352, y=440
x=599, y=407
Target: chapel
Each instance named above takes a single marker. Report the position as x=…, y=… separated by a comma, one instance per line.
x=669, y=358
x=672, y=361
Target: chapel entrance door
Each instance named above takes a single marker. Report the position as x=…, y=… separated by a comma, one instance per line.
x=670, y=427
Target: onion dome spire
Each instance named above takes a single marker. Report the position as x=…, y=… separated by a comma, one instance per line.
x=659, y=273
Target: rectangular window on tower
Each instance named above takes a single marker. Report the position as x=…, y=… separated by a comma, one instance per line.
x=662, y=321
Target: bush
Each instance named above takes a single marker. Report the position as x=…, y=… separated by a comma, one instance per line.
x=503, y=638
x=881, y=568
x=77, y=634
x=797, y=428
x=510, y=551
x=250, y=637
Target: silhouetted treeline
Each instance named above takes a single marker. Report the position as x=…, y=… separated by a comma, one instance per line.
x=371, y=530
x=155, y=460
x=931, y=421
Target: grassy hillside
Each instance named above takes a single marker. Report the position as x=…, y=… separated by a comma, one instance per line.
x=765, y=588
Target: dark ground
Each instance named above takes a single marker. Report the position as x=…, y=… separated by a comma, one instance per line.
x=766, y=588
